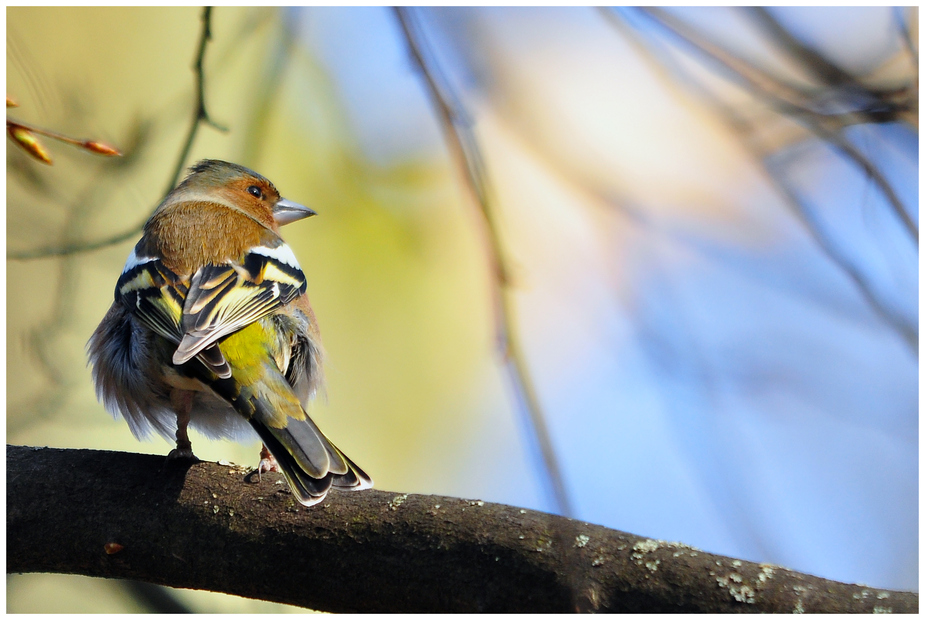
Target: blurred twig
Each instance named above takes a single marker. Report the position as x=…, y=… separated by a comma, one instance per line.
x=745, y=132
x=63, y=280
x=465, y=150
x=201, y=116
x=75, y=248
x=791, y=101
x=903, y=25
x=63, y=277
x=94, y=146
x=808, y=58
x=873, y=104
x=908, y=332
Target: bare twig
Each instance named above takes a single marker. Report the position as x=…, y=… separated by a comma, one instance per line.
x=464, y=148
x=826, y=71
x=94, y=146
x=791, y=101
x=740, y=127
x=902, y=24
x=201, y=116
x=76, y=248
x=875, y=105
x=908, y=332
x=212, y=527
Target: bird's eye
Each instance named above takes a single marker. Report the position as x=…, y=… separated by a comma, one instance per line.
x=254, y=191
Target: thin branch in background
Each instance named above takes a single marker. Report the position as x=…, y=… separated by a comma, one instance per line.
x=688, y=358
x=462, y=142
x=909, y=333
x=790, y=101
x=902, y=23
x=877, y=105
x=94, y=146
x=830, y=135
x=807, y=57
x=744, y=131
x=201, y=116
x=76, y=248
x=464, y=149
x=874, y=105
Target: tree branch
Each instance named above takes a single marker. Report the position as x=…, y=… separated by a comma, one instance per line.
x=209, y=526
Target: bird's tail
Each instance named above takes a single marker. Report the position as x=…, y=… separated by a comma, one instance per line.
x=308, y=459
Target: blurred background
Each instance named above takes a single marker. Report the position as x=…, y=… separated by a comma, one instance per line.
x=654, y=269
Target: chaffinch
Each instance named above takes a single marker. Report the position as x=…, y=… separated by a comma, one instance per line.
x=211, y=328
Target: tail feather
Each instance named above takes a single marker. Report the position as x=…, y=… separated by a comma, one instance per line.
x=305, y=443
x=355, y=479
x=310, y=483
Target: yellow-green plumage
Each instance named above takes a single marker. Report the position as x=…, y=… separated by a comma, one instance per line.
x=256, y=372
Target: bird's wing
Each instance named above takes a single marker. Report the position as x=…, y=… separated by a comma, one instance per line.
x=225, y=298
x=155, y=295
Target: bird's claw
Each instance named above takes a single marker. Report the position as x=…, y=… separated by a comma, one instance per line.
x=267, y=463
x=181, y=454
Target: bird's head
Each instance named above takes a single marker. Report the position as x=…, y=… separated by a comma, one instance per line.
x=237, y=187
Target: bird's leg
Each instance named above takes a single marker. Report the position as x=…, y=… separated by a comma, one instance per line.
x=182, y=401
x=267, y=461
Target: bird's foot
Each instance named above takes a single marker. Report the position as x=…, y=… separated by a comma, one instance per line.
x=267, y=462
x=182, y=454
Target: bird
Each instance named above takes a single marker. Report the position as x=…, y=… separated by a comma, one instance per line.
x=211, y=329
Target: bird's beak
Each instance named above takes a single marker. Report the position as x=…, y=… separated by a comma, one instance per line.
x=286, y=212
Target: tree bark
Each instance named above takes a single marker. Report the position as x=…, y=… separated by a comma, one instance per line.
x=211, y=526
